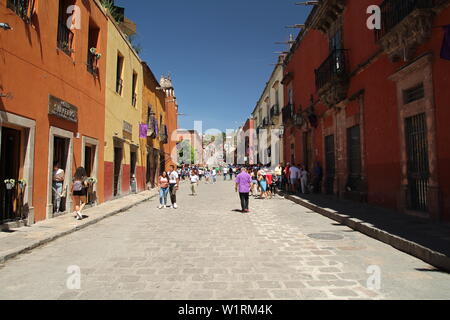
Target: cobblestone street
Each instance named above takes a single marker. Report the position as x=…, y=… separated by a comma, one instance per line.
x=208, y=250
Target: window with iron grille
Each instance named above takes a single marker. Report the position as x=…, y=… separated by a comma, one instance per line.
x=92, y=58
x=413, y=94
x=23, y=8
x=354, y=158
x=134, y=87
x=418, y=162
x=65, y=36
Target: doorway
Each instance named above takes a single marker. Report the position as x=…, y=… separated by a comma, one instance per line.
x=9, y=169
x=118, y=156
x=89, y=158
x=418, y=162
x=59, y=191
x=133, y=180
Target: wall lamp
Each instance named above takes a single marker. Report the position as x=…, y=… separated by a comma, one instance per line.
x=5, y=26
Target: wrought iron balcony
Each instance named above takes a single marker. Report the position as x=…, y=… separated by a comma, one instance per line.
x=288, y=112
x=395, y=11
x=163, y=136
x=333, y=68
x=274, y=111
x=405, y=25
x=332, y=78
x=21, y=8
x=64, y=37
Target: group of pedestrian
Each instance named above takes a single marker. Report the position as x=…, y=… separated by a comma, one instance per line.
x=169, y=184
x=78, y=189
x=297, y=179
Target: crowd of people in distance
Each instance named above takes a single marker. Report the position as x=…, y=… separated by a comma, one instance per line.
x=261, y=181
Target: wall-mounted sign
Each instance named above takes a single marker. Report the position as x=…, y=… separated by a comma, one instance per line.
x=62, y=109
x=127, y=127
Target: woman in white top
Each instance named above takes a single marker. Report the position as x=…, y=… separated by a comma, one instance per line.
x=163, y=190
x=194, y=181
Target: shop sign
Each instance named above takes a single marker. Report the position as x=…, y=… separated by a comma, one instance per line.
x=62, y=109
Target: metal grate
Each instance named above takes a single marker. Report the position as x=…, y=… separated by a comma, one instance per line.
x=394, y=11
x=65, y=35
x=354, y=158
x=21, y=7
x=413, y=94
x=418, y=164
x=334, y=67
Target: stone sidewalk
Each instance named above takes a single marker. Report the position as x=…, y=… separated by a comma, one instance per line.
x=421, y=238
x=21, y=240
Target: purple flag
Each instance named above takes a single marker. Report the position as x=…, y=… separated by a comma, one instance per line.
x=445, y=51
x=143, y=128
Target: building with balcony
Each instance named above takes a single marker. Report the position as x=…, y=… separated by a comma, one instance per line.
x=52, y=86
x=153, y=124
x=268, y=117
x=124, y=158
x=371, y=105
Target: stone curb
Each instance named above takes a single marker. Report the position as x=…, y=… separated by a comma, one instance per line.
x=38, y=243
x=425, y=254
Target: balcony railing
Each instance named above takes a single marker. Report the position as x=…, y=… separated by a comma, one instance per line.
x=288, y=112
x=335, y=67
x=20, y=7
x=274, y=111
x=394, y=11
x=65, y=37
x=163, y=136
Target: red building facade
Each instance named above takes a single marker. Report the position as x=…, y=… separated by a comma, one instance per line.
x=372, y=105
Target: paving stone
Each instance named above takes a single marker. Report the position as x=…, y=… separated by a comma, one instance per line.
x=205, y=251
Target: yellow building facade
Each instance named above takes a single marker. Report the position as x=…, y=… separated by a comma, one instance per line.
x=154, y=116
x=124, y=160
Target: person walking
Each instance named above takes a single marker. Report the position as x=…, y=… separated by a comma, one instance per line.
x=304, y=179
x=270, y=184
x=243, y=184
x=57, y=186
x=294, y=175
x=225, y=173
x=174, y=181
x=194, y=182
x=214, y=175
x=263, y=184
x=278, y=175
x=163, y=190
x=79, y=191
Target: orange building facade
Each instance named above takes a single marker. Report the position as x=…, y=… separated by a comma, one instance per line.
x=52, y=103
x=371, y=106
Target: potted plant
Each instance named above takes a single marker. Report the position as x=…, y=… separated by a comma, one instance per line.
x=10, y=183
x=94, y=52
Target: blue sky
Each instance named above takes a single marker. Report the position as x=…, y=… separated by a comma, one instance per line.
x=218, y=52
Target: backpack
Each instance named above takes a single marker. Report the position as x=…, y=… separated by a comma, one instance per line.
x=77, y=185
